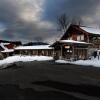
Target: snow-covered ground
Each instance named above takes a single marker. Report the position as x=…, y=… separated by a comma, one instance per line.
x=93, y=62
x=17, y=58
x=12, y=59
x=62, y=61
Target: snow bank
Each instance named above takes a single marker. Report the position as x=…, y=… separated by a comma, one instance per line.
x=61, y=61
x=94, y=62
x=13, y=59
x=33, y=47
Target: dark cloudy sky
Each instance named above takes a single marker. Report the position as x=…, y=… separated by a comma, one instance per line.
x=28, y=19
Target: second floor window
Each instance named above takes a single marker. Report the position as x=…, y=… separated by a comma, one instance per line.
x=80, y=37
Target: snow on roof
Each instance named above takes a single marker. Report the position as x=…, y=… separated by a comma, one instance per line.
x=5, y=48
x=2, y=45
x=33, y=47
x=5, y=43
x=72, y=41
x=8, y=50
x=91, y=30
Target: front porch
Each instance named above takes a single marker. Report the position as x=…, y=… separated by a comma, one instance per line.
x=70, y=51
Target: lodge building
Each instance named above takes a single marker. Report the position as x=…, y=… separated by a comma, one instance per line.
x=77, y=43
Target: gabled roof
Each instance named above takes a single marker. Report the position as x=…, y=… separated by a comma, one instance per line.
x=33, y=47
x=3, y=45
x=5, y=49
x=71, y=29
x=8, y=50
x=73, y=42
x=1, y=49
x=81, y=29
x=91, y=30
x=13, y=42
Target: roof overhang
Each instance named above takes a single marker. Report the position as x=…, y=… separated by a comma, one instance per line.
x=8, y=51
x=41, y=47
x=73, y=42
x=70, y=42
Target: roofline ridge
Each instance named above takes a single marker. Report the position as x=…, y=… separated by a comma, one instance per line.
x=91, y=27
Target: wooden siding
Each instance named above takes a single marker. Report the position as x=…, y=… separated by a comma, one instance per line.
x=45, y=52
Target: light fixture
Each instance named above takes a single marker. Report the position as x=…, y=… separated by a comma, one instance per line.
x=67, y=47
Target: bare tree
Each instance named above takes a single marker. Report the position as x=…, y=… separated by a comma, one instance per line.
x=76, y=21
x=64, y=21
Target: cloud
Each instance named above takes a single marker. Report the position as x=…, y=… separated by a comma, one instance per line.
x=22, y=19
x=88, y=10
x=28, y=19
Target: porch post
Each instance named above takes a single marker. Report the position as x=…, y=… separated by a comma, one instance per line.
x=73, y=52
x=47, y=53
x=53, y=53
x=20, y=52
x=7, y=54
x=61, y=52
x=38, y=52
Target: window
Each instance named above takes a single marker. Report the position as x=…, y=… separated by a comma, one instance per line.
x=80, y=37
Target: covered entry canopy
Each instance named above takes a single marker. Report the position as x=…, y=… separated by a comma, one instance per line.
x=68, y=49
x=70, y=42
x=73, y=42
